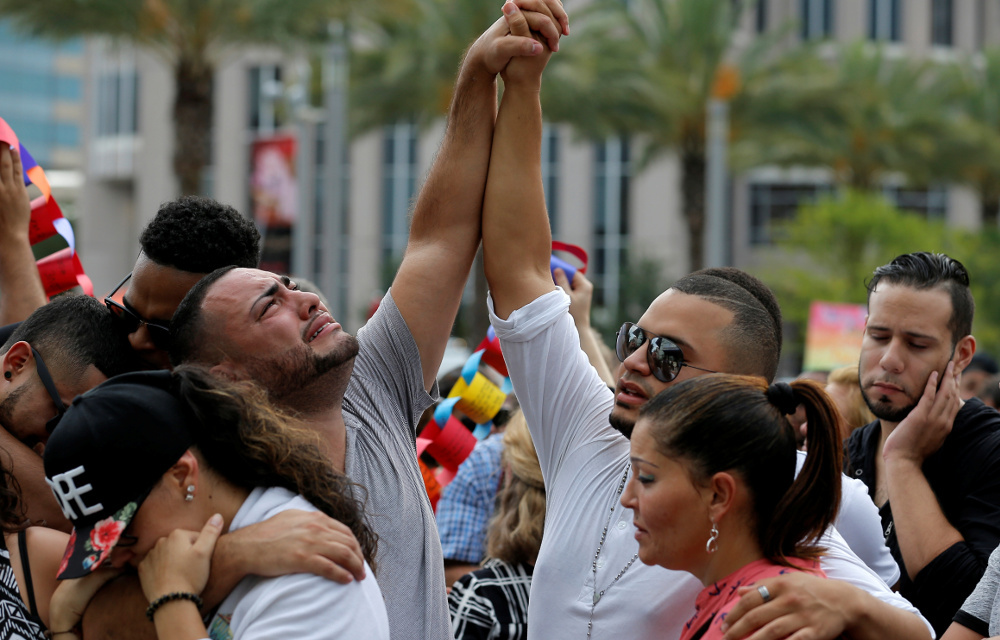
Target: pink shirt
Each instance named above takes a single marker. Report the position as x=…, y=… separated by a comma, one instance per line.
x=715, y=601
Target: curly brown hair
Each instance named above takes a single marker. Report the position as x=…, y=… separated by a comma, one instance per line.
x=251, y=443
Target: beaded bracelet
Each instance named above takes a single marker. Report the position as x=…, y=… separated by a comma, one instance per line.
x=170, y=597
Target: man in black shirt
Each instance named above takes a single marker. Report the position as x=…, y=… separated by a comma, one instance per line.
x=930, y=461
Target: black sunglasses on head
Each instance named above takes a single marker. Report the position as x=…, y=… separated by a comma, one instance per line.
x=50, y=386
x=665, y=358
x=129, y=321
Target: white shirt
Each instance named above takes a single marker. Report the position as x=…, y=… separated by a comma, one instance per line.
x=301, y=605
x=583, y=459
x=859, y=524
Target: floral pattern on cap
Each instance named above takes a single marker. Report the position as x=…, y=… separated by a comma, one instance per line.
x=100, y=541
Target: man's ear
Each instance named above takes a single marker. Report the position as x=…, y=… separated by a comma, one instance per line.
x=964, y=350
x=17, y=361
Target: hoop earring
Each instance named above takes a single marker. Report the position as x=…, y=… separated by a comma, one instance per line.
x=713, y=541
x=190, y=493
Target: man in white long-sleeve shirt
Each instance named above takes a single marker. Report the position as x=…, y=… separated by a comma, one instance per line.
x=588, y=581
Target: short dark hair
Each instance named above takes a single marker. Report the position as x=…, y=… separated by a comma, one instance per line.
x=924, y=270
x=73, y=332
x=199, y=235
x=753, y=340
x=188, y=323
x=757, y=289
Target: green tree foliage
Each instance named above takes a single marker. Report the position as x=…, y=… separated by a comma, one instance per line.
x=406, y=57
x=191, y=36
x=647, y=68
x=978, y=252
x=833, y=245
x=863, y=115
x=977, y=130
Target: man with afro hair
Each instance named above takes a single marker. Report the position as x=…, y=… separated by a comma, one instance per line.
x=188, y=238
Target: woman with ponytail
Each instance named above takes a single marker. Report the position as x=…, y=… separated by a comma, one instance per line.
x=145, y=461
x=714, y=490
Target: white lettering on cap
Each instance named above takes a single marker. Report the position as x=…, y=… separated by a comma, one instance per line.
x=65, y=489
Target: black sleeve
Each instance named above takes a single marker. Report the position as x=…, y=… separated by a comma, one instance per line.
x=972, y=623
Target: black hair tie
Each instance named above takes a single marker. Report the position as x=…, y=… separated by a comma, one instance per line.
x=782, y=396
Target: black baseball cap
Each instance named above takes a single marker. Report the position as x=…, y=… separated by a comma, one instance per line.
x=109, y=450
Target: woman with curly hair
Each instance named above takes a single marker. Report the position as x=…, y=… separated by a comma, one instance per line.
x=714, y=492
x=492, y=602
x=144, y=462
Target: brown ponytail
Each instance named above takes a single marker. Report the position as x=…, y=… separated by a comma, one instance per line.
x=810, y=505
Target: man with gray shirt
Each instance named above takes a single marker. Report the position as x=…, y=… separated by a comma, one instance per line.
x=365, y=395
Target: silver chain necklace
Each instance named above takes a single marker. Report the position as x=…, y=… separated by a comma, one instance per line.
x=600, y=594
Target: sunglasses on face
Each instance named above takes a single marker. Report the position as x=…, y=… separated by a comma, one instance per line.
x=129, y=321
x=665, y=358
x=50, y=386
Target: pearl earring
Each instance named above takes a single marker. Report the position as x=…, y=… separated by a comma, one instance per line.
x=190, y=493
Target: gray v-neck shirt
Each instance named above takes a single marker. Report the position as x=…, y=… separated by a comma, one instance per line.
x=384, y=400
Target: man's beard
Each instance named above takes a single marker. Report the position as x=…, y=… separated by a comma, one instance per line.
x=294, y=372
x=622, y=425
x=885, y=411
x=7, y=407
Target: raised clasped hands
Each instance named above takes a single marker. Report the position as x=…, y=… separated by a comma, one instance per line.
x=924, y=430
x=528, y=29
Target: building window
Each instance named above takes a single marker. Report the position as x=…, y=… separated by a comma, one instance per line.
x=817, y=19
x=942, y=23
x=774, y=204
x=612, y=174
x=761, y=17
x=931, y=202
x=884, y=20
x=267, y=109
x=399, y=181
x=550, y=174
x=36, y=85
x=117, y=102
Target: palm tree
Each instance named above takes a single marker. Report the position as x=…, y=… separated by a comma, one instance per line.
x=191, y=36
x=864, y=116
x=405, y=58
x=647, y=68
